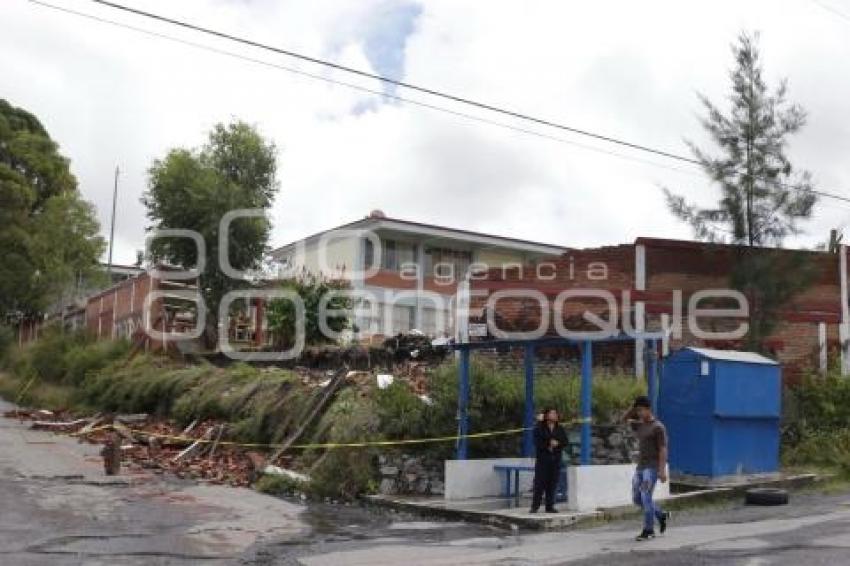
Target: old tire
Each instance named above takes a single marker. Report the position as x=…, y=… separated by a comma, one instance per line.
x=766, y=496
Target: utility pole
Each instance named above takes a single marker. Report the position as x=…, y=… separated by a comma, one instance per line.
x=112, y=227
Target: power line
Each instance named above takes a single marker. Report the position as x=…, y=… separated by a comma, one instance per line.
x=390, y=96
x=395, y=82
x=398, y=98
x=834, y=11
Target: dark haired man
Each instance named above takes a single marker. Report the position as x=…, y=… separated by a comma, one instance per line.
x=651, y=464
x=550, y=439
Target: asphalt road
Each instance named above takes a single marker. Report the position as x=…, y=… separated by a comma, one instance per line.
x=59, y=508
x=813, y=529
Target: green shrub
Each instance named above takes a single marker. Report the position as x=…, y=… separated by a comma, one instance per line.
x=819, y=402
x=281, y=314
x=345, y=472
x=64, y=357
x=824, y=449
x=80, y=360
x=279, y=485
x=47, y=355
x=497, y=402
x=815, y=429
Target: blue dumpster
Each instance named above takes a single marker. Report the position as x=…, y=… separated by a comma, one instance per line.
x=721, y=409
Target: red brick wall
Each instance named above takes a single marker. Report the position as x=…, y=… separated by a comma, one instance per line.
x=127, y=304
x=670, y=265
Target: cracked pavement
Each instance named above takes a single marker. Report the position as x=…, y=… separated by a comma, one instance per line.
x=59, y=508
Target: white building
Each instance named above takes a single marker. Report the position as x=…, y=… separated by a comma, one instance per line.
x=406, y=274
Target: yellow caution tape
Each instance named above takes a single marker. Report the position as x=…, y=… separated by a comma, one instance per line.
x=327, y=445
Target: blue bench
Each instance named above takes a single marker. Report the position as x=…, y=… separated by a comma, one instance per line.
x=511, y=488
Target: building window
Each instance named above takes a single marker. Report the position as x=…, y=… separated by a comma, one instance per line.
x=390, y=259
x=395, y=255
x=447, y=263
x=368, y=255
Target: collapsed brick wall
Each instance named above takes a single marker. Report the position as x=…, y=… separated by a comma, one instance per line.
x=671, y=266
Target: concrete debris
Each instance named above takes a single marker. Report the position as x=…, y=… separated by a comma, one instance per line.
x=189, y=428
x=278, y=471
x=384, y=380
x=217, y=440
x=67, y=426
x=93, y=423
x=197, y=448
x=124, y=432
x=134, y=419
x=153, y=445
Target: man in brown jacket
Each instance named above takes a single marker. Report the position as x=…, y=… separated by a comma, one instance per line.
x=651, y=464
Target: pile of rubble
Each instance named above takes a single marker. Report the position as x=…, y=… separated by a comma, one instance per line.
x=196, y=451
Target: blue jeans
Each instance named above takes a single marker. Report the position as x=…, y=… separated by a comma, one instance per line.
x=643, y=484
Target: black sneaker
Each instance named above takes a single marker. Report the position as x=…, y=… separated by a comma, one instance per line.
x=534, y=510
x=662, y=521
x=645, y=535
x=551, y=510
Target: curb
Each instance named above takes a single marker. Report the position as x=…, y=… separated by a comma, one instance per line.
x=570, y=520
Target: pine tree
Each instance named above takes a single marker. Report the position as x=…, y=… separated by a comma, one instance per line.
x=762, y=198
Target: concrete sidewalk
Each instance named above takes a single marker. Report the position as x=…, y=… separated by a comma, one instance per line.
x=512, y=513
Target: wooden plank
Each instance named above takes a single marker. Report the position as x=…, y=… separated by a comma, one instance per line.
x=327, y=395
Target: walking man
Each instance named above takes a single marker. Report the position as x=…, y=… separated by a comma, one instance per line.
x=549, y=441
x=651, y=464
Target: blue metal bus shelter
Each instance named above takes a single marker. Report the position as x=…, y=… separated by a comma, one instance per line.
x=586, y=349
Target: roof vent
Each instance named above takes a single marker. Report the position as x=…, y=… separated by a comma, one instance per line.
x=377, y=213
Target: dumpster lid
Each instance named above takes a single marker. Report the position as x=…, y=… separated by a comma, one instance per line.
x=733, y=356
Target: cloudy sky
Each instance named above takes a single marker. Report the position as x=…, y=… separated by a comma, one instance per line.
x=112, y=96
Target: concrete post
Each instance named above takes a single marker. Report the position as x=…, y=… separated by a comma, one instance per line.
x=420, y=287
x=640, y=308
x=822, y=347
x=114, y=311
x=100, y=318
x=260, y=314
x=845, y=312
x=665, y=335
x=462, y=312
x=652, y=375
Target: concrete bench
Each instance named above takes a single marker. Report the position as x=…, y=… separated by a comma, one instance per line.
x=511, y=488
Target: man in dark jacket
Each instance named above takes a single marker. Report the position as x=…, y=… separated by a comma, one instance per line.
x=550, y=439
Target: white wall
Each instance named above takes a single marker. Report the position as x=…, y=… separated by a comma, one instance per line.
x=340, y=257
x=592, y=487
x=477, y=478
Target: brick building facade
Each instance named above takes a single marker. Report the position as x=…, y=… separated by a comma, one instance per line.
x=652, y=282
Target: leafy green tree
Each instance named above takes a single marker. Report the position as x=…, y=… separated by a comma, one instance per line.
x=66, y=238
x=281, y=313
x=48, y=234
x=763, y=198
x=193, y=189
